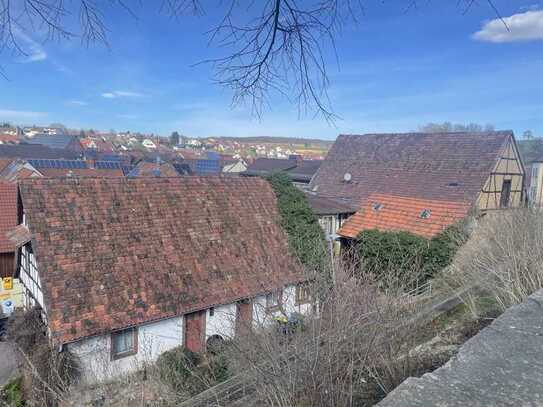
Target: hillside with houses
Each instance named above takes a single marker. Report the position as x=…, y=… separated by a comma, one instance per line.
x=283, y=203
x=249, y=261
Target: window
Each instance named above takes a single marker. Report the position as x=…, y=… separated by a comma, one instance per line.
x=535, y=171
x=273, y=300
x=506, y=192
x=377, y=206
x=533, y=193
x=303, y=294
x=425, y=214
x=326, y=223
x=124, y=343
x=211, y=311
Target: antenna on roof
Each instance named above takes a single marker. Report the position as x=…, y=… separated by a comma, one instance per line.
x=347, y=177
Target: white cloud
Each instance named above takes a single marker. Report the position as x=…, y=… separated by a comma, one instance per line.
x=20, y=114
x=33, y=52
x=76, y=103
x=530, y=7
x=526, y=26
x=127, y=116
x=121, y=93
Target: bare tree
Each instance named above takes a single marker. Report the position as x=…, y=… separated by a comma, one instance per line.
x=451, y=127
x=272, y=46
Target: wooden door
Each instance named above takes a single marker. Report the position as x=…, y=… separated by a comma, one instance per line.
x=244, y=316
x=506, y=193
x=195, y=323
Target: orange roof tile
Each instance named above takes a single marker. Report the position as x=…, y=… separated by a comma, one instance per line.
x=397, y=213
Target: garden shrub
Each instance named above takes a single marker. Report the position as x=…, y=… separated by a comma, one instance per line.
x=11, y=395
x=175, y=366
x=404, y=259
x=189, y=373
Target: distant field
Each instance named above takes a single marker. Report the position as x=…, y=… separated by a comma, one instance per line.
x=310, y=144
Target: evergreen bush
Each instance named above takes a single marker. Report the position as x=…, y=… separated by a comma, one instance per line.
x=402, y=258
x=305, y=236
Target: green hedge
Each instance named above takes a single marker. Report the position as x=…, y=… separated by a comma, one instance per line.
x=305, y=236
x=402, y=258
x=188, y=372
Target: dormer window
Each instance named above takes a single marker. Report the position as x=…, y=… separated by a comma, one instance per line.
x=377, y=206
x=425, y=214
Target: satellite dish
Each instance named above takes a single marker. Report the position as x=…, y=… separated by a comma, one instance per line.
x=347, y=177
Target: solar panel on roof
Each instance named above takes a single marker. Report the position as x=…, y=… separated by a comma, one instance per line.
x=206, y=167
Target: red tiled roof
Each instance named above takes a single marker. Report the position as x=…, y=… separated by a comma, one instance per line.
x=4, y=162
x=115, y=252
x=449, y=166
x=80, y=172
x=404, y=214
x=9, y=138
x=147, y=169
x=8, y=214
x=19, y=236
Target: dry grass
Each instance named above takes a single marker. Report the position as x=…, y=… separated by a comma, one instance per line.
x=503, y=259
x=354, y=351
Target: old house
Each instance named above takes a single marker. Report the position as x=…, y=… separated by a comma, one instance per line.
x=531, y=151
x=21, y=169
x=234, y=166
x=148, y=143
x=420, y=182
x=300, y=171
x=126, y=268
x=157, y=169
x=24, y=150
x=58, y=141
x=331, y=213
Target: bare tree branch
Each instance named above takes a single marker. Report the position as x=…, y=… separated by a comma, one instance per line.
x=271, y=47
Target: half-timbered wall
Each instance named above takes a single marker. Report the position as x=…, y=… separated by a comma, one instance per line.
x=535, y=189
x=508, y=169
x=32, y=295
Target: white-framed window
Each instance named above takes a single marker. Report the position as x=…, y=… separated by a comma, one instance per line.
x=327, y=224
x=535, y=171
x=124, y=343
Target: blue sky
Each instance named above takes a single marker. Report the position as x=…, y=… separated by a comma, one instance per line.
x=397, y=70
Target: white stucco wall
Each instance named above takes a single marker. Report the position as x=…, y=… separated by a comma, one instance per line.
x=153, y=339
x=223, y=321
x=262, y=318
